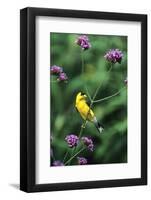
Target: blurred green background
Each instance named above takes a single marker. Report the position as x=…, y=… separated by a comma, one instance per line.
x=111, y=146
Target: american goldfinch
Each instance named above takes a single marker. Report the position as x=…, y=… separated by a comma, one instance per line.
x=85, y=111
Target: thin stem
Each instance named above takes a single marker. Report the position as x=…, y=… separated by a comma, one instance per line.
x=88, y=94
x=85, y=87
x=98, y=88
x=65, y=155
x=81, y=130
x=75, y=155
x=82, y=127
x=108, y=97
x=82, y=59
x=72, y=153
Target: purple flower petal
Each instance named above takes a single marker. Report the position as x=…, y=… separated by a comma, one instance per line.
x=56, y=70
x=72, y=140
x=62, y=77
x=83, y=42
x=88, y=142
x=82, y=161
x=114, y=55
x=57, y=163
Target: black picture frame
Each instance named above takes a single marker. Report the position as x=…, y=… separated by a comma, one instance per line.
x=28, y=98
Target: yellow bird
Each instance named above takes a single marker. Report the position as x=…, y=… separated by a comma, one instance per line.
x=85, y=111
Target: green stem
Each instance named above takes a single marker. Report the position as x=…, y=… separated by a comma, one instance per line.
x=82, y=59
x=72, y=153
x=98, y=88
x=85, y=87
x=75, y=155
x=65, y=156
x=88, y=94
x=108, y=97
x=82, y=127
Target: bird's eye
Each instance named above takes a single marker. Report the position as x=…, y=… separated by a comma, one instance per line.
x=82, y=93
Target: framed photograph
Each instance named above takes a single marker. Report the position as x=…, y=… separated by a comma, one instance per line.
x=83, y=99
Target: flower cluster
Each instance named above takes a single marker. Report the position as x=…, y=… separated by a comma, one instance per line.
x=72, y=140
x=88, y=142
x=62, y=77
x=83, y=42
x=82, y=161
x=58, y=71
x=57, y=163
x=114, y=55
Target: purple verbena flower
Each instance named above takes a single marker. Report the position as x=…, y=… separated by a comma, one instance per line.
x=88, y=142
x=83, y=42
x=82, y=161
x=114, y=55
x=62, y=77
x=72, y=140
x=57, y=163
x=56, y=70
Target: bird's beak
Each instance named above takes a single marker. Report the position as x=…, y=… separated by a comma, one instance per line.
x=85, y=95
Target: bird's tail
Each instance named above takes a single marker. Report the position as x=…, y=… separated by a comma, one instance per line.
x=99, y=127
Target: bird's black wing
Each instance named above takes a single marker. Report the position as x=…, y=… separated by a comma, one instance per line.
x=88, y=103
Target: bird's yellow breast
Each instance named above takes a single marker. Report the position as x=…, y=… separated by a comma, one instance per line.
x=84, y=110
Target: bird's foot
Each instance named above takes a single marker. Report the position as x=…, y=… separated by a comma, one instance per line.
x=83, y=126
